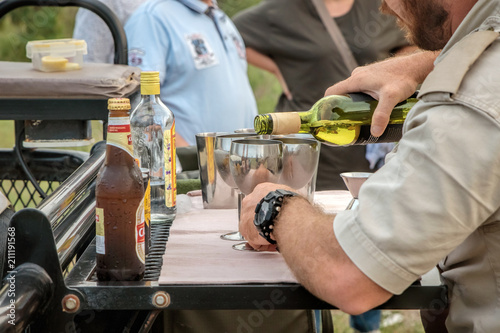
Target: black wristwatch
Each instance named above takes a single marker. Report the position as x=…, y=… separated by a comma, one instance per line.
x=267, y=210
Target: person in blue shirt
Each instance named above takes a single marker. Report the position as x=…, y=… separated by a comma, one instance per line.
x=203, y=75
x=202, y=63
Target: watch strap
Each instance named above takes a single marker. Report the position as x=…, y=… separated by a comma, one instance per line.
x=267, y=210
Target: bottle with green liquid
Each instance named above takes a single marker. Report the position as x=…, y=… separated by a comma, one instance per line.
x=337, y=120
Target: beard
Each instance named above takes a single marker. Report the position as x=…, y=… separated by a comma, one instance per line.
x=426, y=23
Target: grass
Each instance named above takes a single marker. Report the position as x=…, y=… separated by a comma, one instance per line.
x=410, y=324
x=265, y=88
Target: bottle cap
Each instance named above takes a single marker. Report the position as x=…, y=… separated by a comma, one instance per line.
x=150, y=83
x=117, y=104
x=150, y=77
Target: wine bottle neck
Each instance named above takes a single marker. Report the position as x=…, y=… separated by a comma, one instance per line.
x=278, y=123
x=150, y=98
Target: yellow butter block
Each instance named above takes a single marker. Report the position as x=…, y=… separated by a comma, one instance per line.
x=54, y=63
x=72, y=66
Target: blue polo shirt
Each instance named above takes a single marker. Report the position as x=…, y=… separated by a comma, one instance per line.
x=202, y=64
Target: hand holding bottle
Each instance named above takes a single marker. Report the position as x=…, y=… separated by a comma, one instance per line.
x=337, y=120
x=390, y=82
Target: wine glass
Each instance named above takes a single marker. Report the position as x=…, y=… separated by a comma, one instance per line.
x=222, y=146
x=255, y=161
x=300, y=164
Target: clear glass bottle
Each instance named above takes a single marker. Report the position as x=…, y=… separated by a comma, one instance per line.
x=153, y=137
x=337, y=120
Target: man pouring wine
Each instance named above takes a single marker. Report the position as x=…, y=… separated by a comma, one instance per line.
x=437, y=198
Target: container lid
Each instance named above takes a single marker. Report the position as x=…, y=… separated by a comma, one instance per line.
x=118, y=104
x=67, y=46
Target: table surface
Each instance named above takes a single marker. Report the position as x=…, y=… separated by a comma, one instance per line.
x=195, y=253
x=204, y=287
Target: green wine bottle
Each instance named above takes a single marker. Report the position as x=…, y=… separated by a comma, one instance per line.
x=337, y=120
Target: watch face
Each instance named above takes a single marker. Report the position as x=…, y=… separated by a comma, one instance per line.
x=264, y=213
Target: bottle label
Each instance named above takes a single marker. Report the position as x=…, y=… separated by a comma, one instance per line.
x=147, y=203
x=392, y=133
x=99, y=231
x=285, y=122
x=140, y=232
x=119, y=134
x=169, y=158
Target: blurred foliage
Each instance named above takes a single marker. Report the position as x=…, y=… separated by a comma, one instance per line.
x=33, y=23
x=231, y=7
x=265, y=88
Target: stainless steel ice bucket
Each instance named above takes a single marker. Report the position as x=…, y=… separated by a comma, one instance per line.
x=215, y=192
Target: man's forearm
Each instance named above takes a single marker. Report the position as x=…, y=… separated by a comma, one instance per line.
x=423, y=63
x=306, y=239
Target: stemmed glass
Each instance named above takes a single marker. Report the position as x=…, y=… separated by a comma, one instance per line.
x=353, y=181
x=255, y=161
x=222, y=146
x=300, y=164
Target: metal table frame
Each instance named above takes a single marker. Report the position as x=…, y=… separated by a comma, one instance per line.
x=141, y=295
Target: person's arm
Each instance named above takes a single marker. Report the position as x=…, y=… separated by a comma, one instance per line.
x=92, y=29
x=406, y=50
x=180, y=141
x=306, y=240
x=389, y=81
x=264, y=62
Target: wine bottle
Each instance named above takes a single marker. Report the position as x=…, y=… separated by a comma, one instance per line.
x=337, y=120
x=153, y=137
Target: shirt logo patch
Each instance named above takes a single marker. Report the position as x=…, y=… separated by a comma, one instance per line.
x=240, y=48
x=202, y=53
x=135, y=57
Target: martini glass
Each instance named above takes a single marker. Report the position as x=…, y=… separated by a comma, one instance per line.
x=353, y=181
x=255, y=161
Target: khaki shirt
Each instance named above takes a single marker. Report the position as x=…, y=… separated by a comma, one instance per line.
x=438, y=196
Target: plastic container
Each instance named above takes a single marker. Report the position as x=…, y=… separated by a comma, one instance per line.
x=56, y=55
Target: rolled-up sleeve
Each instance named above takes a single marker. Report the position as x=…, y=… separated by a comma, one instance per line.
x=428, y=198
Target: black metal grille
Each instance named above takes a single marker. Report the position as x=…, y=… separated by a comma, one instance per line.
x=154, y=260
x=22, y=194
x=49, y=167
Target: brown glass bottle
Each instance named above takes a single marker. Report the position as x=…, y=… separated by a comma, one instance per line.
x=119, y=203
